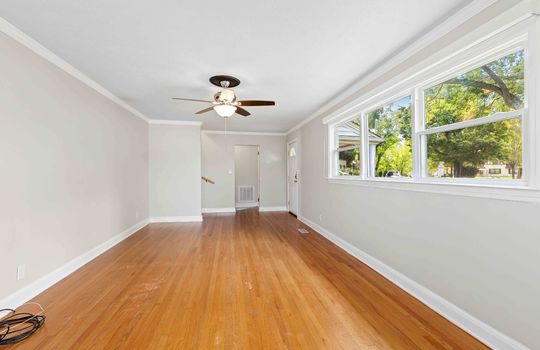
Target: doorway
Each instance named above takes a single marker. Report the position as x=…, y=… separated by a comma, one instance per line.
x=292, y=177
x=246, y=176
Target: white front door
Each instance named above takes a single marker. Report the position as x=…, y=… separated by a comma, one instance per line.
x=292, y=177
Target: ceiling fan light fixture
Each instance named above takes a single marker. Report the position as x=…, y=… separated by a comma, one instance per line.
x=225, y=111
x=226, y=95
x=225, y=101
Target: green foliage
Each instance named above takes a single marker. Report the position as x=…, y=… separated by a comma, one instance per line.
x=352, y=162
x=397, y=158
x=393, y=124
x=468, y=149
x=495, y=87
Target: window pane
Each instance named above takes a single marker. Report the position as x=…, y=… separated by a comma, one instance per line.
x=349, y=141
x=487, y=151
x=494, y=87
x=390, y=152
x=349, y=162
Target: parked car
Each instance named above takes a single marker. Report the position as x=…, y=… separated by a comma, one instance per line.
x=393, y=173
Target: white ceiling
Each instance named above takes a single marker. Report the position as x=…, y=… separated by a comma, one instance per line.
x=300, y=53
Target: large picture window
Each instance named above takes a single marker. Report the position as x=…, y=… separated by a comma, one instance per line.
x=482, y=96
x=464, y=121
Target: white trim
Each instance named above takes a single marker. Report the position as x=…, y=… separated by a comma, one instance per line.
x=478, y=49
x=273, y=209
x=497, y=117
x=218, y=210
x=531, y=159
x=470, y=324
x=30, y=291
x=452, y=22
x=174, y=122
x=193, y=218
x=455, y=187
x=434, y=67
x=251, y=133
x=298, y=172
x=23, y=39
x=247, y=205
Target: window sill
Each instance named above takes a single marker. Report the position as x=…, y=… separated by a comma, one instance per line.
x=516, y=192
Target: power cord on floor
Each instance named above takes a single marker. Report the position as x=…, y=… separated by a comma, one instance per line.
x=18, y=326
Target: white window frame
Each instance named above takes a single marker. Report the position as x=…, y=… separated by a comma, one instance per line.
x=365, y=122
x=523, y=35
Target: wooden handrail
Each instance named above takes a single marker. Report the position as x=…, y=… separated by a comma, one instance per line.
x=208, y=180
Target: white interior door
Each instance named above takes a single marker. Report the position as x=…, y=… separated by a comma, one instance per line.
x=292, y=177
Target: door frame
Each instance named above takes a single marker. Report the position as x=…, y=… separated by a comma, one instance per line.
x=258, y=199
x=295, y=140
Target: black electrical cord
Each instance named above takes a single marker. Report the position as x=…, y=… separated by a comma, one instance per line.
x=18, y=326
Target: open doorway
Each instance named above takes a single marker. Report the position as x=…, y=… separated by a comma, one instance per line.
x=246, y=176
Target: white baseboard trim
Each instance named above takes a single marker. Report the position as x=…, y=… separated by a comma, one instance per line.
x=247, y=205
x=218, y=210
x=470, y=324
x=25, y=294
x=273, y=209
x=194, y=218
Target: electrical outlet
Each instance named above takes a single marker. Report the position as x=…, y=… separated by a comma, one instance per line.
x=320, y=217
x=21, y=271
x=137, y=215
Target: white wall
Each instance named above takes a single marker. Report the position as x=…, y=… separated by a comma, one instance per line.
x=246, y=169
x=480, y=254
x=175, y=172
x=218, y=161
x=73, y=167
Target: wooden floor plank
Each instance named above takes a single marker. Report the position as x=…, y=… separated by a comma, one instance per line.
x=244, y=281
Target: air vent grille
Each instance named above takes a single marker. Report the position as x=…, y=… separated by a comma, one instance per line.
x=246, y=193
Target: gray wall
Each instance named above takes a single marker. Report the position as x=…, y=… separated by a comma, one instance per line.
x=73, y=169
x=218, y=159
x=480, y=254
x=175, y=171
x=246, y=168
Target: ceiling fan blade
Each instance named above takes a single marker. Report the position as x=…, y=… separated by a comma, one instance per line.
x=242, y=112
x=190, y=99
x=256, y=103
x=205, y=110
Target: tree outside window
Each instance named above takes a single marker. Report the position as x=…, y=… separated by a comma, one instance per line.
x=470, y=152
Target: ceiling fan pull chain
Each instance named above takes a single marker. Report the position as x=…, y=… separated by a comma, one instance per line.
x=227, y=135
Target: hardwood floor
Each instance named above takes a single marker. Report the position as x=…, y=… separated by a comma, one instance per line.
x=245, y=281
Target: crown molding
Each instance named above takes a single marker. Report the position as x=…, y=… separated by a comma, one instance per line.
x=247, y=133
x=426, y=39
x=23, y=39
x=174, y=122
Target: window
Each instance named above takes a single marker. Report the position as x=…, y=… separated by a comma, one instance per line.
x=494, y=87
x=389, y=135
x=348, y=136
x=462, y=120
x=482, y=96
x=463, y=153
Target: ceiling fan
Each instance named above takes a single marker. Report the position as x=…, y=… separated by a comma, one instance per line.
x=225, y=102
